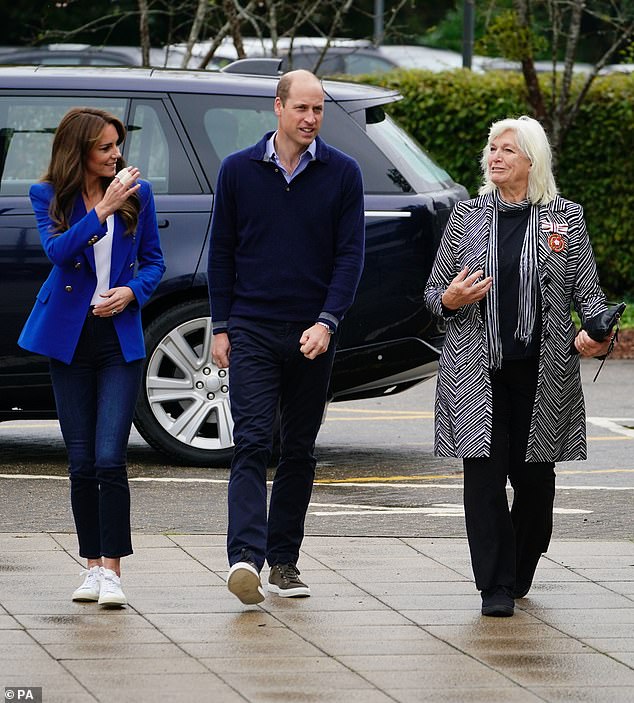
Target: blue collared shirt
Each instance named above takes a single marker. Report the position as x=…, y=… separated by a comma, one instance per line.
x=304, y=159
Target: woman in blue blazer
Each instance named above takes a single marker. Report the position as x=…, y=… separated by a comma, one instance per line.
x=99, y=231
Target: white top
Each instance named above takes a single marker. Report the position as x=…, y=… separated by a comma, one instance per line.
x=103, y=256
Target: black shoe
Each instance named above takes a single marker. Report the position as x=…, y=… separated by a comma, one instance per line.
x=524, y=576
x=284, y=580
x=498, y=602
x=521, y=590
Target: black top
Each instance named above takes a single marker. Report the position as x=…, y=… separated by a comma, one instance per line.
x=511, y=232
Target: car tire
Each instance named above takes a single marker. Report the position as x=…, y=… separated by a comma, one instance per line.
x=183, y=409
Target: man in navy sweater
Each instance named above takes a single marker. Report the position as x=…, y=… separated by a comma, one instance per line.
x=286, y=255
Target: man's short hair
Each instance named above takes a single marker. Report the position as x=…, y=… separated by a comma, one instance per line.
x=284, y=83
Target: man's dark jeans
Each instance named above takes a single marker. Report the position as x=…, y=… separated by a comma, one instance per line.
x=95, y=396
x=268, y=371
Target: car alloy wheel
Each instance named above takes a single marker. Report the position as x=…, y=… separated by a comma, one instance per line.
x=184, y=407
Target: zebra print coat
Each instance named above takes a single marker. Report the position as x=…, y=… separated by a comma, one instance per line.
x=463, y=394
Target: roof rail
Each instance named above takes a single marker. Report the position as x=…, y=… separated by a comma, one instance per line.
x=258, y=66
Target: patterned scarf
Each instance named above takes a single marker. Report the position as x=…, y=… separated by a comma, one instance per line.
x=527, y=307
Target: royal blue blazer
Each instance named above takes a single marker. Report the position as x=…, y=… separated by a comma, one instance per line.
x=63, y=302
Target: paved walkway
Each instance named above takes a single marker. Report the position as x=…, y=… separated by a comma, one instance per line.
x=390, y=619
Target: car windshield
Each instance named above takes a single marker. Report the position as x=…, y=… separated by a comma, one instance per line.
x=405, y=153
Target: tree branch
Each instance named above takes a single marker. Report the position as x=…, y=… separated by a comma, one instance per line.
x=194, y=31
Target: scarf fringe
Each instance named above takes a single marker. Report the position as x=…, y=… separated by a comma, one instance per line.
x=527, y=305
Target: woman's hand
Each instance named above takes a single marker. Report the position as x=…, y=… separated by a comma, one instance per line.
x=465, y=289
x=116, y=300
x=586, y=346
x=116, y=194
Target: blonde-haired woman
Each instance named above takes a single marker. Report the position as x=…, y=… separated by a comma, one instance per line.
x=100, y=233
x=509, y=400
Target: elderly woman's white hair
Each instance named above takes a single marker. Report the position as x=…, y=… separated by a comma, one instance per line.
x=533, y=142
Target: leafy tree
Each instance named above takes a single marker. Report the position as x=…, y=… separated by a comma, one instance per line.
x=554, y=27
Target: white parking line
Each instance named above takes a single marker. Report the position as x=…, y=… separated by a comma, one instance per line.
x=378, y=484
x=435, y=510
x=614, y=424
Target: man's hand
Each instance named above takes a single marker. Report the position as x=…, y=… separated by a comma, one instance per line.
x=314, y=341
x=466, y=289
x=220, y=350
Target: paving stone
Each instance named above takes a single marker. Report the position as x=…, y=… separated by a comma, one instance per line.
x=590, y=694
x=467, y=695
x=27, y=542
x=475, y=677
x=437, y=572
x=85, y=668
x=568, y=669
x=303, y=685
x=30, y=651
x=265, y=665
x=103, y=635
x=611, y=645
x=94, y=649
x=90, y=616
x=175, y=688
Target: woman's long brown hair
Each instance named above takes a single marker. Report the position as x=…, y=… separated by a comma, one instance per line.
x=76, y=134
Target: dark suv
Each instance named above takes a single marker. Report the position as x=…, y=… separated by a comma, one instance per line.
x=181, y=125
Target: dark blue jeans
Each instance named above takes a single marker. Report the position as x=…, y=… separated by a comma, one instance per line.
x=268, y=371
x=95, y=396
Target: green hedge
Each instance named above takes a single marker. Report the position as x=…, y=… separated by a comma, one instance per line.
x=450, y=114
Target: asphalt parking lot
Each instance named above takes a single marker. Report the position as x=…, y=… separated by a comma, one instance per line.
x=376, y=473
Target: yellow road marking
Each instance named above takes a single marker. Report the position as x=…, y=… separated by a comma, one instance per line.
x=594, y=471
x=610, y=439
x=382, y=418
x=457, y=475
x=377, y=415
x=38, y=424
x=386, y=479
x=361, y=411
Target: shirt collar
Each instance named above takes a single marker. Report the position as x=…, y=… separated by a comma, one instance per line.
x=270, y=154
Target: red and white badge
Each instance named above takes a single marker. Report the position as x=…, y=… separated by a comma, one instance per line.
x=556, y=240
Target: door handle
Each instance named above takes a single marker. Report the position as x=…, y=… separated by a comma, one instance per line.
x=163, y=223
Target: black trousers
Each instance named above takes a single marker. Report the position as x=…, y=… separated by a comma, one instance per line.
x=506, y=545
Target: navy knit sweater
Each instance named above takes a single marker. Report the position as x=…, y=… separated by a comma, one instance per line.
x=290, y=252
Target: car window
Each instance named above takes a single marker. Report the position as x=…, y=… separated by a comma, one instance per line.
x=219, y=125
x=231, y=129
x=330, y=64
x=405, y=153
x=27, y=125
x=153, y=146
x=380, y=175
x=355, y=63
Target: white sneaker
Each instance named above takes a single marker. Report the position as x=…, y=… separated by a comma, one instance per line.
x=244, y=582
x=90, y=588
x=111, y=595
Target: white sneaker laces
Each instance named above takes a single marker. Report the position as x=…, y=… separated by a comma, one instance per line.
x=92, y=577
x=111, y=583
